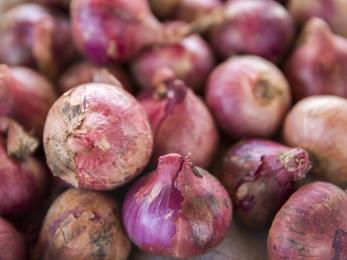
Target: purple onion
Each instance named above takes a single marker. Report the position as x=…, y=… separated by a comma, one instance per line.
x=12, y=246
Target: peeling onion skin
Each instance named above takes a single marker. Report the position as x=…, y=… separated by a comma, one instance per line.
x=82, y=225
x=248, y=97
x=191, y=208
x=97, y=136
x=312, y=224
x=12, y=245
x=180, y=121
x=86, y=72
x=318, y=65
x=262, y=28
x=26, y=96
x=34, y=36
x=317, y=124
x=260, y=176
x=191, y=60
x=332, y=11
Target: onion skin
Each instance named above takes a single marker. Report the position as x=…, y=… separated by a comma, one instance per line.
x=191, y=209
x=82, y=225
x=191, y=60
x=12, y=246
x=312, y=224
x=26, y=96
x=86, y=72
x=248, y=96
x=33, y=36
x=317, y=124
x=180, y=121
x=260, y=176
x=332, y=11
x=97, y=136
x=318, y=65
x=262, y=28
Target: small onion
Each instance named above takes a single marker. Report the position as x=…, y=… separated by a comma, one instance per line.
x=318, y=125
x=312, y=224
x=248, y=96
x=260, y=176
x=97, y=136
x=177, y=210
x=82, y=225
x=180, y=121
x=12, y=246
x=318, y=65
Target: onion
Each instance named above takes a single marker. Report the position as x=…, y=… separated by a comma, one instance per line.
x=180, y=121
x=248, y=96
x=317, y=124
x=23, y=178
x=85, y=72
x=97, y=136
x=177, y=210
x=260, y=176
x=26, y=96
x=34, y=36
x=82, y=225
x=12, y=246
x=318, y=65
x=311, y=225
x=332, y=11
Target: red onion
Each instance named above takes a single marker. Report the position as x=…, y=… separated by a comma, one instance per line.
x=191, y=60
x=97, y=136
x=180, y=121
x=318, y=125
x=12, y=246
x=261, y=28
x=85, y=72
x=311, y=225
x=260, y=176
x=34, y=36
x=318, y=65
x=82, y=225
x=23, y=178
x=332, y=11
x=248, y=96
x=26, y=96
x=177, y=210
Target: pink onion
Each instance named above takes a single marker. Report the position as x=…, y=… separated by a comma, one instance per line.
x=12, y=246
x=248, y=96
x=97, y=136
x=318, y=65
x=311, y=225
x=318, y=124
x=177, y=210
x=180, y=121
x=82, y=225
x=85, y=72
x=260, y=176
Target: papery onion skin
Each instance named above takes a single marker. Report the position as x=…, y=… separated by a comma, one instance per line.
x=260, y=176
x=312, y=224
x=248, y=96
x=191, y=60
x=262, y=28
x=26, y=96
x=82, y=225
x=318, y=65
x=317, y=124
x=180, y=121
x=86, y=72
x=12, y=246
x=34, y=36
x=177, y=210
x=97, y=136
x=332, y=11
